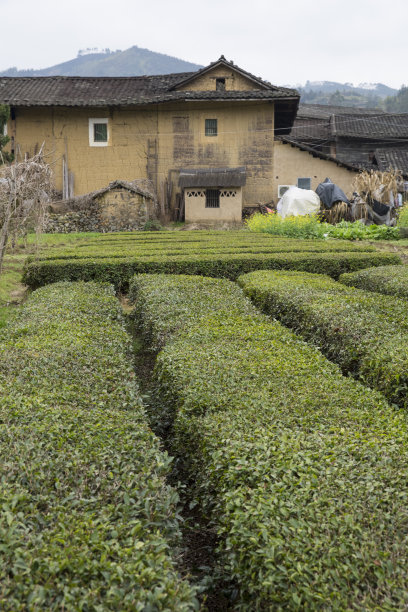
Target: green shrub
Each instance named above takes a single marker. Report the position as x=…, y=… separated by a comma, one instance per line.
x=302, y=470
x=390, y=280
x=365, y=333
x=119, y=270
x=87, y=520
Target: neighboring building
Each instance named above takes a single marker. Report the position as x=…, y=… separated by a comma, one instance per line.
x=384, y=159
x=98, y=130
x=352, y=135
x=300, y=165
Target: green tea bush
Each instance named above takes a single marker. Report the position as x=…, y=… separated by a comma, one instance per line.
x=390, y=280
x=118, y=271
x=173, y=243
x=365, y=333
x=87, y=519
x=302, y=470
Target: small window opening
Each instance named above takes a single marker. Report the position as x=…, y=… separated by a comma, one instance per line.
x=212, y=198
x=211, y=128
x=100, y=132
x=220, y=84
x=304, y=183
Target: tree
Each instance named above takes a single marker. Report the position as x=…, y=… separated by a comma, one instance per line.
x=397, y=103
x=4, y=116
x=24, y=191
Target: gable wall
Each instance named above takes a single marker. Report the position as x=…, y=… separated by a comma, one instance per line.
x=291, y=163
x=233, y=81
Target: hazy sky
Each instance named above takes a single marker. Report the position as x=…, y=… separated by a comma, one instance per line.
x=283, y=41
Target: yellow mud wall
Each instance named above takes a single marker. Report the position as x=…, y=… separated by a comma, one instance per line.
x=233, y=81
x=245, y=138
x=154, y=142
x=290, y=163
x=65, y=133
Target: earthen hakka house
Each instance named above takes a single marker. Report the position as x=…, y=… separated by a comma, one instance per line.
x=206, y=140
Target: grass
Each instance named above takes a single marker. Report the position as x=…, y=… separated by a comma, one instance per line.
x=12, y=291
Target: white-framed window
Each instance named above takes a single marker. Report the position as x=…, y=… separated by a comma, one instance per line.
x=98, y=132
x=304, y=183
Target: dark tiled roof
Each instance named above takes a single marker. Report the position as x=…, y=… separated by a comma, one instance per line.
x=311, y=129
x=324, y=111
x=212, y=177
x=382, y=126
x=123, y=91
x=392, y=158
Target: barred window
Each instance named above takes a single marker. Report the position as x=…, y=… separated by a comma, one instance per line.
x=212, y=198
x=211, y=128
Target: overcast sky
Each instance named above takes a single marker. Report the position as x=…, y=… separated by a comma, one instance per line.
x=282, y=41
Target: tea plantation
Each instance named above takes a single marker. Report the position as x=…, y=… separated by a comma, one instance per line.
x=116, y=258
x=298, y=468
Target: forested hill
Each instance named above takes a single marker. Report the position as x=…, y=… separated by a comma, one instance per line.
x=365, y=95
x=131, y=62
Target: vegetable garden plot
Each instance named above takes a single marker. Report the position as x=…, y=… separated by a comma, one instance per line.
x=87, y=519
x=390, y=280
x=303, y=470
x=365, y=333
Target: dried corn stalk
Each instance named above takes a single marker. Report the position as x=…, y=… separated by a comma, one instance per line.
x=340, y=211
x=375, y=185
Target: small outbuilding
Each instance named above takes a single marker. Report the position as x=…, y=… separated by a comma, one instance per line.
x=213, y=194
x=121, y=206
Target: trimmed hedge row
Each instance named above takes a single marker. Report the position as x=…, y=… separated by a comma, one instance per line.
x=303, y=470
x=133, y=248
x=390, y=280
x=87, y=520
x=119, y=271
x=365, y=333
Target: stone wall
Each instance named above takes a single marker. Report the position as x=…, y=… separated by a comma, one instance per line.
x=117, y=210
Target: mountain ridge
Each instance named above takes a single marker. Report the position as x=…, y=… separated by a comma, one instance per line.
x=134, y=61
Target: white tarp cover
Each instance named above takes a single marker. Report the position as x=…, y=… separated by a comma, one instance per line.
x=296, y=201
